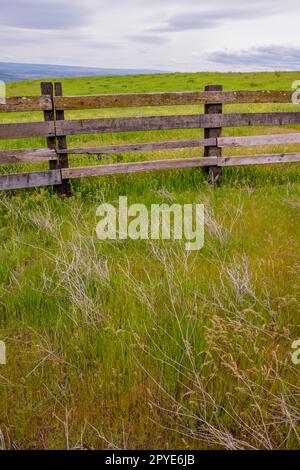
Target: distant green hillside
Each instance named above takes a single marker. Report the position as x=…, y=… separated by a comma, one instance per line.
x=164, y=82
x=11, y=72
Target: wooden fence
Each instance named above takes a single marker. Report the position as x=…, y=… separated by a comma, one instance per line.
x=55, y=128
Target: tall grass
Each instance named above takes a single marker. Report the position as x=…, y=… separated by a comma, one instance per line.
x=136, y=344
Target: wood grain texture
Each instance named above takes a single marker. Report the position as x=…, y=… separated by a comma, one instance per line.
x=94, y=126
x=167, y=99
x=30, y=180
x=143, y=147
x=259, y=159
x=259, y=140
x=27, y=129
x=47, y=90
x=110, y=125
x=26, y=103
x=137, y=167
x=65, y=188
x=214, y=132
x=26, y=156
x=54, y=177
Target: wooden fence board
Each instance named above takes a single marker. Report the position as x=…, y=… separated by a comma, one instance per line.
x=27, y=129
x=137, y=167
x=259, y=140
x=26, y=103
x=174, y=98
x=110, y=125
x=30, y=180
x=54, y=177
x=27, y=155
x=259, y=159
x=143, y=147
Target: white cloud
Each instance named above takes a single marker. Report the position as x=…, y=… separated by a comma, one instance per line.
x=260, y=58
x=143, y=34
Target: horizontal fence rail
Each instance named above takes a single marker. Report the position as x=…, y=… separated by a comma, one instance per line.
x=169, y=99
x=177, y=144
x=259, y=159
x=257, y=140
x=143, y=147
x=27, y=155
x=55, y=177
x=26, y=103
x=149, y=123
x=138, y=167
x=31, y=180
x=27, y=129
x=44, y=103
x=55, y=128
x=155, y=123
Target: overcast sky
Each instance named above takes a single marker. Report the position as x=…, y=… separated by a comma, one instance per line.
x=175, y=35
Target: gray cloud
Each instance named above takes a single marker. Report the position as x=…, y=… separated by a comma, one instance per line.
x=139, y=33
x=264, y=58
x=31, y=38
x=148, y=39
x=215, y=17
x=44, y=14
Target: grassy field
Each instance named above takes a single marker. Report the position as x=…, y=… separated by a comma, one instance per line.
x=124, y=344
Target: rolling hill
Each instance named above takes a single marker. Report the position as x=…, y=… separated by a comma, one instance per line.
x=12, y=72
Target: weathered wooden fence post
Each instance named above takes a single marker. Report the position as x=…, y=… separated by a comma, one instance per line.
x=56, y=142
x=214, y=172
x=65, y=188
x=47, y=89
